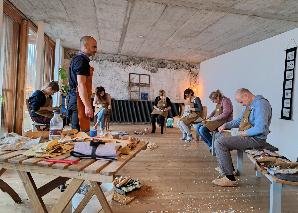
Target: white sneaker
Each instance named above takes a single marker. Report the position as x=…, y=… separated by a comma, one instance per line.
x=188, y=138
x=225, y=182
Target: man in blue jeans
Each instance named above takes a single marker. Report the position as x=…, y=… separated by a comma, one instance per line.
x=79, y=73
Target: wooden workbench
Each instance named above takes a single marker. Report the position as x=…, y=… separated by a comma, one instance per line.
x=94, y=171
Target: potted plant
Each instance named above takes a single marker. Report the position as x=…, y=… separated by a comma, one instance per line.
x=63, y=81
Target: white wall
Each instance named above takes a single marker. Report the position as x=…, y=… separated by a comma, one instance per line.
x=113, y=77
x=258, y=67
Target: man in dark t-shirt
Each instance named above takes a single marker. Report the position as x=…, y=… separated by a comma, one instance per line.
x=79, y=79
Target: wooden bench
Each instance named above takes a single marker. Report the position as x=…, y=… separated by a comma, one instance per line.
x=276, y=186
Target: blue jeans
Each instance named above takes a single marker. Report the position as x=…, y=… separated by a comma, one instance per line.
x=100, y=118
x=72, y=110
x=204, y=132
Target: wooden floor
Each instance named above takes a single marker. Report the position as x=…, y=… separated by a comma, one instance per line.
x=176, y=178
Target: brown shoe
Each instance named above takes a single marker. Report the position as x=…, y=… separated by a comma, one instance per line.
x=225, y=182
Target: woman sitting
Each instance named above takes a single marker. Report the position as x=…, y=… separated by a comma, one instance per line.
x=40, y=103
x=102, y=104
x=222, y=113
x=162, y=105
x=192, y=112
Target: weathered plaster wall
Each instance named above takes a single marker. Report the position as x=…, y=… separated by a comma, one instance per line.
x=112, y=72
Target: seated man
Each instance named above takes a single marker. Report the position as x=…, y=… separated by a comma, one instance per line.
x=40, y=103
x=220, y=115
x=253, y=127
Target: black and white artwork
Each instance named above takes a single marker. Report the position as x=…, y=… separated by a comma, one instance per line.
x=288, y=84
x=287, y=103
x=290, y=65
x=291, y=56
x=289, y=74
x=288, y=93
x=286, y=112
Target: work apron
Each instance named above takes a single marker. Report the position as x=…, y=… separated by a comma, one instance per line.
x=84, y=121
x=192, y=116
x=213, y=125
x=244, y=123
x=161, y=104
x=46, y=113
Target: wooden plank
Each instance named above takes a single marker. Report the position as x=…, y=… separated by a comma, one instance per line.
x=48, y=164
x=2, y=152
x=85, y=201
x=63, y=165
x=45, y=189
x=96, y=166
x=18, y=159
x=32, y=161
x=2, y=171
x=67, y=196
x=114, y=166
x=5, y=157
x=6, y=188
x=101, y=197
x=30, y=187
x=81, y=165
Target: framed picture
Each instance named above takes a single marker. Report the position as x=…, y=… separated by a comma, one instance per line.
x=288, y=93
x=288, y=84
x=290, y=65
x=291, y=55
x=286, y=112
x=290, y=74
x=287, y=103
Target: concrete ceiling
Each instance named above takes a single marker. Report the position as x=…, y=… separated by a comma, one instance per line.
x=184, y=30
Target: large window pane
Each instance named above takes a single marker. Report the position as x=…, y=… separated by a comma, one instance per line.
x=31, y=75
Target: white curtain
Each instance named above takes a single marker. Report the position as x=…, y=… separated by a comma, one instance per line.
x=32, y=82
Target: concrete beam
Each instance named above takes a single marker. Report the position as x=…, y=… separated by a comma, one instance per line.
x=129, y=10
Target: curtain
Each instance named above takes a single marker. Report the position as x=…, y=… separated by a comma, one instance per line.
x=8, y=74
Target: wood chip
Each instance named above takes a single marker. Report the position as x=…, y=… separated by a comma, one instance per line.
x=123, y=199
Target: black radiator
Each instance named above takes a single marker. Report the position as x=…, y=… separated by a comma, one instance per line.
x=127, y=111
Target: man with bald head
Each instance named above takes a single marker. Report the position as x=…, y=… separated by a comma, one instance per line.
x=253, y=124
x=79, y=104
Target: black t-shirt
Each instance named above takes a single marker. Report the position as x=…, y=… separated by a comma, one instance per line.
x=79, y=65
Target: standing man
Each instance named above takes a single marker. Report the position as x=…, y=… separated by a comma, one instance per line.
x=79, y=104
x=253, y=127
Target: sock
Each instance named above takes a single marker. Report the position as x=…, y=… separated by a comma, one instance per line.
x=231, y=177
